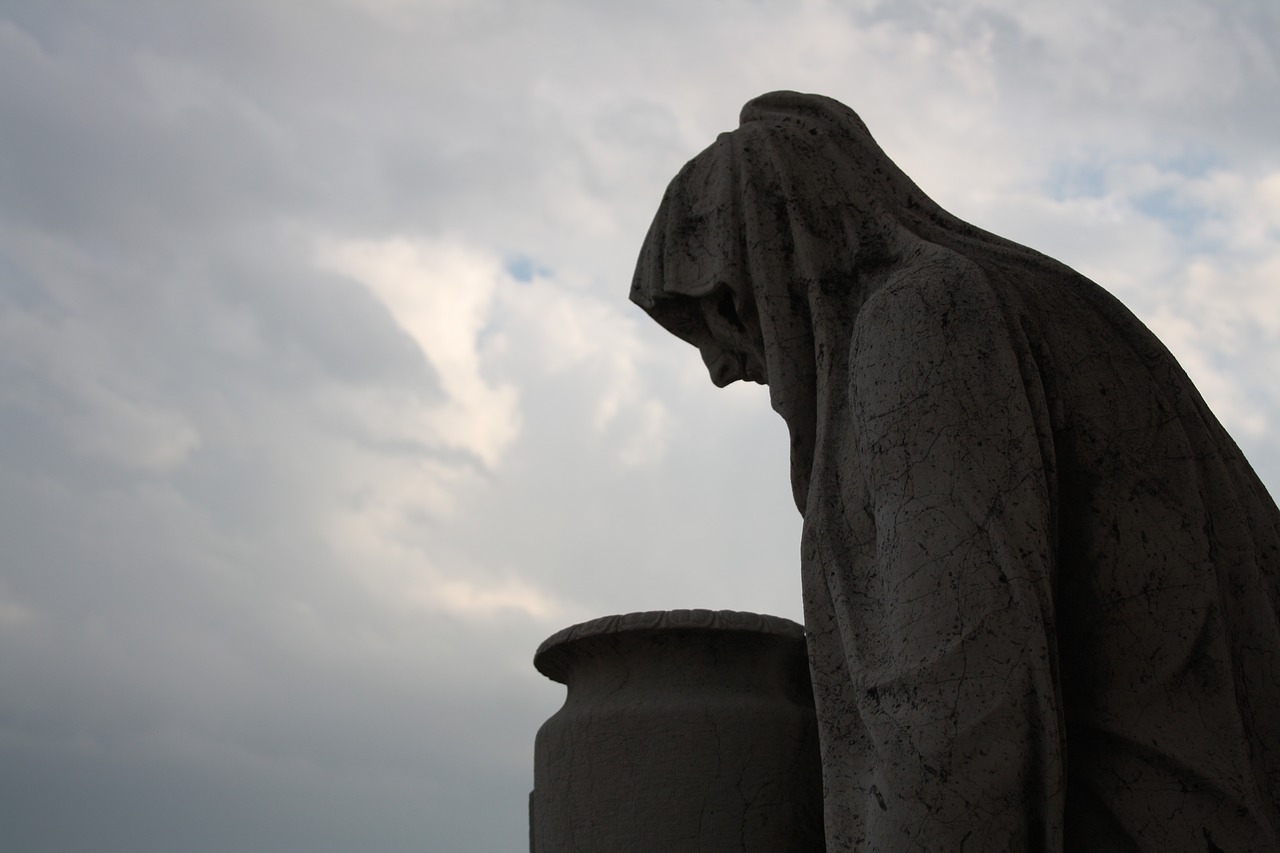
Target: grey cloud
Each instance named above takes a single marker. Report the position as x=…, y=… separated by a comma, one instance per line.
x=191, y=660
x=90, y=149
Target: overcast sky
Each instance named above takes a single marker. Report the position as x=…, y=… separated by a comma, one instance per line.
x=322, y=403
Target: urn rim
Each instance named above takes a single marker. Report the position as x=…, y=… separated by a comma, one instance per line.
x=549, y=659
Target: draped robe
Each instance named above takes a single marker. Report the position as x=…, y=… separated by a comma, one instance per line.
x=1040, y=580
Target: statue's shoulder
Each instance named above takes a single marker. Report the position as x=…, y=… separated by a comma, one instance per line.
x=934, y=294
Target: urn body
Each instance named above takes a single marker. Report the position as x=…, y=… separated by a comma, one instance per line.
x=680, y=731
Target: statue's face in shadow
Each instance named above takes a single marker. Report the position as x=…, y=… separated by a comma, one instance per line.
x=733, y=347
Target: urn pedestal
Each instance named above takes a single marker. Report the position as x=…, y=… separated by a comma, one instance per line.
x=684, y=730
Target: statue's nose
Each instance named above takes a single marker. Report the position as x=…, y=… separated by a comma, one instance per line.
x=725, y=368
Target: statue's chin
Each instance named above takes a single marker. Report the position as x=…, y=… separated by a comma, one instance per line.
x=802, y=447
x=800, y=487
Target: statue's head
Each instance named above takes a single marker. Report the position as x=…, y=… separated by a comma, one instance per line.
x=797, y=202
x=766, y=244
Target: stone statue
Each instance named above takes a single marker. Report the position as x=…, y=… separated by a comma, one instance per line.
x=1040, y=580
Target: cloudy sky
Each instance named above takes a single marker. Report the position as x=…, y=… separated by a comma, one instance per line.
x=322, y=404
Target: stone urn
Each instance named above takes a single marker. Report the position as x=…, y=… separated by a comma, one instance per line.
x=682, y=730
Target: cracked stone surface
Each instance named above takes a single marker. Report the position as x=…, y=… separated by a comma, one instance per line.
x=682, y=731
x=1040, y=579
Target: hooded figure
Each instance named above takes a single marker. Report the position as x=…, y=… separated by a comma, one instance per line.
x=1040, y=580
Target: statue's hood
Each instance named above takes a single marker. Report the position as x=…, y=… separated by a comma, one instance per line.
x=794, y=216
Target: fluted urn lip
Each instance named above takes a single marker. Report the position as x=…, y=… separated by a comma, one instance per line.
x=551, y=658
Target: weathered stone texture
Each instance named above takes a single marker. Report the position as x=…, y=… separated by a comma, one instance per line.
x=1041, y=581
x=682, y=731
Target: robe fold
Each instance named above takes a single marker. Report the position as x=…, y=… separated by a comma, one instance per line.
x=1040, y=580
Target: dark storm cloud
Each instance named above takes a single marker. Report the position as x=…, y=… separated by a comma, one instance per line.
x=179, y=630
x=92, y=149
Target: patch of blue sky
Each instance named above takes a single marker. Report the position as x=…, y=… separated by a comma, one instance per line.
x=525, y=269
x=1183, y=218
x=1089, y=174
x=1093, y=176
x=1190, y=161
x=1077, y=179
